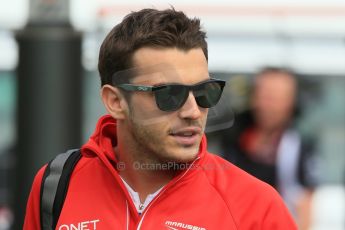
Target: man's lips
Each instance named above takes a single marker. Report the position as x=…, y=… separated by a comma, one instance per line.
x=186, y=136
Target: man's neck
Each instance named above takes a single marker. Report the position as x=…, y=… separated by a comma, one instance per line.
x=139, y=174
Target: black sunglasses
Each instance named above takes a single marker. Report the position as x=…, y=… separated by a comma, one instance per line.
x=171, y=97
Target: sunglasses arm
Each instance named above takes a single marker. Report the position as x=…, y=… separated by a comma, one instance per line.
x=130, y=87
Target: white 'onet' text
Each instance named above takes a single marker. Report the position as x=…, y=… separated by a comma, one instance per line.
x=85, y=225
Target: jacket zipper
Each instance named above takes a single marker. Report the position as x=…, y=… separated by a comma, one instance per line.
x=127, y=216
x=161, y=192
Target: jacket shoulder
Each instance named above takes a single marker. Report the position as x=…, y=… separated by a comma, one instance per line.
x=32, y=214
x=248, y=199
x=225, y=175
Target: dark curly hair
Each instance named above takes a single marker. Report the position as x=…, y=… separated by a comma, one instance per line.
x=148, y=28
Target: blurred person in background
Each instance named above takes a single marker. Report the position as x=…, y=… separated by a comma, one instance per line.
x=265, y=143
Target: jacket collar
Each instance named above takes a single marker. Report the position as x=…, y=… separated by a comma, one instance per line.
x=101, y=143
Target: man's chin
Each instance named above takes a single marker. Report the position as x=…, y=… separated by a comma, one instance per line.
x=186, y=156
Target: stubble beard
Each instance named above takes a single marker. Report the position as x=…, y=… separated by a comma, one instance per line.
x=149, y=146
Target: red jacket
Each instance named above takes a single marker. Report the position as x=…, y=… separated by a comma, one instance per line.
x=211, y=194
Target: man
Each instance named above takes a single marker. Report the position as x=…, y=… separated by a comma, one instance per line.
x=146, y=166
x=265, y=143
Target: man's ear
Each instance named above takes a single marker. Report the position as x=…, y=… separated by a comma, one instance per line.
x=114, y=102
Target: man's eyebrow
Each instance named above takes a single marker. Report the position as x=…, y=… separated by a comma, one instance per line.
x=166, y=83
x=178, y=83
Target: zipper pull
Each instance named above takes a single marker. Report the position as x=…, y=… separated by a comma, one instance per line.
x=141, y=207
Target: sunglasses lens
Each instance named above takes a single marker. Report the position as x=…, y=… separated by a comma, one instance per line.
x=208, y=93
x=171, y=97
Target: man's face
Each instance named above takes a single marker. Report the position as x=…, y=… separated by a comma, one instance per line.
x=273, y=100
x=160, y=136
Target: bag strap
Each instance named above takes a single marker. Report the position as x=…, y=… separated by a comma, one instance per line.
x=54, y=187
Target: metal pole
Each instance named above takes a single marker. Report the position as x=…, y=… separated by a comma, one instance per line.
x=49, y=95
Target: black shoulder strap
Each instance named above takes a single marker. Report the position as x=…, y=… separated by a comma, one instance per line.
x=54, y=187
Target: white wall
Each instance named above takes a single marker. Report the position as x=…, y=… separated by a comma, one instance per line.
x=307, y=35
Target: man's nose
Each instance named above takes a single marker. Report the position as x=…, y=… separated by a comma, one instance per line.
x=190, y=109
